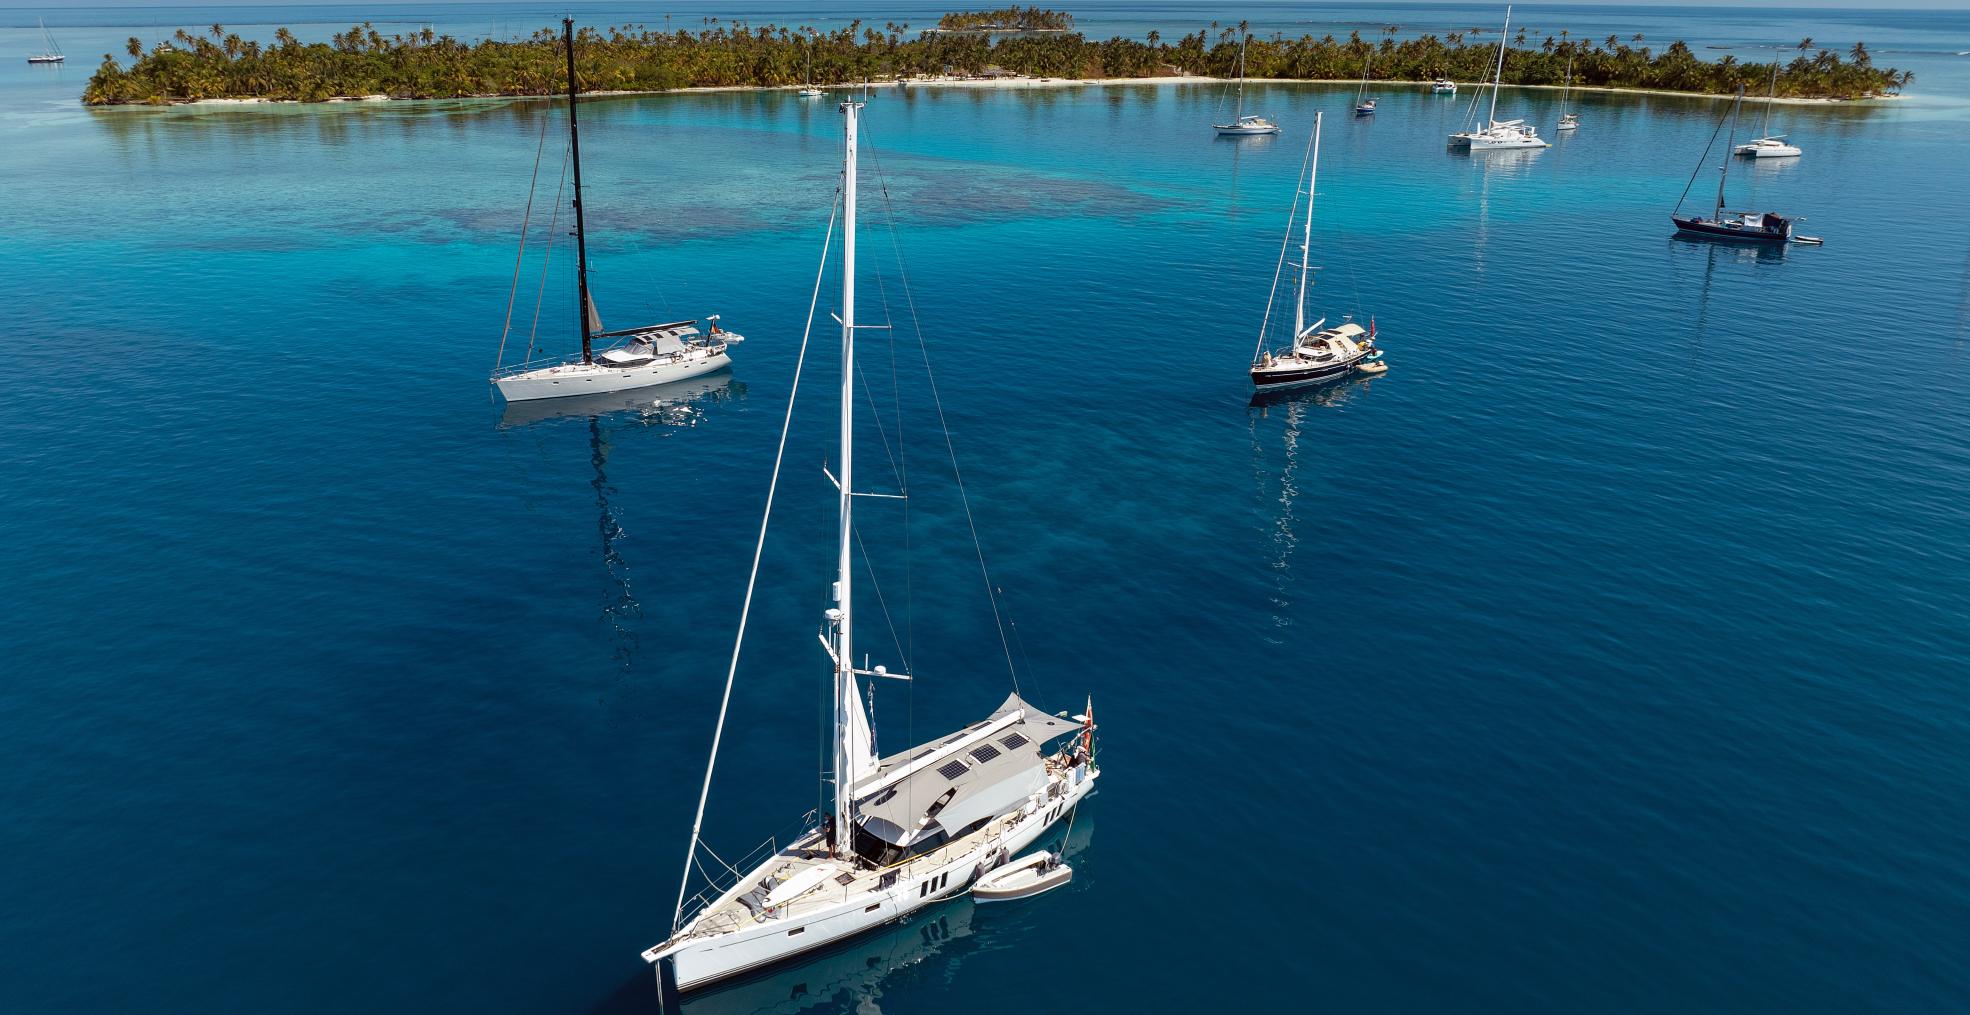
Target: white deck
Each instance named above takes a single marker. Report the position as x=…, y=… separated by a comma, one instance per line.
x=825, y=899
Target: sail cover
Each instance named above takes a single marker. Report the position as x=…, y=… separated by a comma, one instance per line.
x=858, y=745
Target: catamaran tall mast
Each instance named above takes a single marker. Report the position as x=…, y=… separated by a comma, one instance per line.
x=585, y=310
x=1498, y=76
x=1765, y=129
x=1306, y=236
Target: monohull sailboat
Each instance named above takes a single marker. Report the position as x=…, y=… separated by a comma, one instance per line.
x=1316, y=354
x=1568, y=121
x=1243, y=125
x=631, y=357
x=1363, y=105
x=1736, y=226
x=901, y=832
x=1498, y=135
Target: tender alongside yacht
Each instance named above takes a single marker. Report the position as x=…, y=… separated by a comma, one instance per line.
x=1243, y=124
x=1498, y=135
x=902, y=832
x=1316, y=354
x=1771, y=146
x=633, y=357
x=1760, y=227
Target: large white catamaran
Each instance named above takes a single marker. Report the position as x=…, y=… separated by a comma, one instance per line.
x=902, y=832
x=1496, y=134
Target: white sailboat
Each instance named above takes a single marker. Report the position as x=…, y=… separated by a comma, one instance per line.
x=1771, y=146
x=1241, y=124
x=1316, y=354
x=915, y=827
x=632, y=357
x=50, y=53
x=1363, y=105
x=1568, y=121
x=1499, y=135
x=808, y=91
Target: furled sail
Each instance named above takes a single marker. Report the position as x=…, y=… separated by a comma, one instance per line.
x=858, y=743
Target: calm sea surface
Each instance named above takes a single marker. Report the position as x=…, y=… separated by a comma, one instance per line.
x=1611, y=653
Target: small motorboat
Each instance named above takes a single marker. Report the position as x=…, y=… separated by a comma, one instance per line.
x=1023, y=878
x=1374, y=368
x=1444, y=86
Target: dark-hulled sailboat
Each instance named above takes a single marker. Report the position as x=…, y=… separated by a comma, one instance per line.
x=1730, y=226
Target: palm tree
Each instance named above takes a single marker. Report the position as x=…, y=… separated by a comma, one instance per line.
x=135, y=47
x=1805, y=44
x=1860, y=54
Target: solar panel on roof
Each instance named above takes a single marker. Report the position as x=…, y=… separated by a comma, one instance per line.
x=952, y=769
x=1014, y=742
x=984, y=753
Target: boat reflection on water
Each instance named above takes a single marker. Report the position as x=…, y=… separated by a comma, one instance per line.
x=1274, y=471
x=854, y=975
x=678, y=404
x=668, y=406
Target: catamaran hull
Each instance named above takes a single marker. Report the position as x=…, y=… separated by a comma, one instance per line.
x=1485, y=144
x=594, y=379
x=699, y=965
x=1696, y=228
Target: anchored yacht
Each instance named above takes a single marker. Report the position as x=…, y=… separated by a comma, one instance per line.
x=632, y=357
x=1315, y=354
x=1243, y=124
x=1733, y=226
x=901, y=832
x=1498, y=135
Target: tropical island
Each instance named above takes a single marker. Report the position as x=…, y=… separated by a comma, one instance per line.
x=426, y=65
x=1007, y=19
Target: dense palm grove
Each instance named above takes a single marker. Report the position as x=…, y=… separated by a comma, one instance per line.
x=362, y=61
x=1025, y=19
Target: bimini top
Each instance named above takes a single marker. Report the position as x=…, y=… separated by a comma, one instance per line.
x=941, y=788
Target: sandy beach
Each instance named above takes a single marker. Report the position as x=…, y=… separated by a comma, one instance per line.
x=1464, y=89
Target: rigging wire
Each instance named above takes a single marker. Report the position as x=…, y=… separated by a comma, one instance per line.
x=520, y=258
x=1265, y=323
x=745, y=610
x=533, y=330
x=916, y=324
x=1705, y=157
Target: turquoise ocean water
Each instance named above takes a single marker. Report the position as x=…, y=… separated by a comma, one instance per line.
x=1608, y=654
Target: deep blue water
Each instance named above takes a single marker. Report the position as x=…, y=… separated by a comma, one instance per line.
x=1607, y=654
